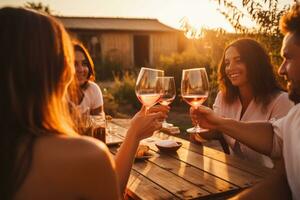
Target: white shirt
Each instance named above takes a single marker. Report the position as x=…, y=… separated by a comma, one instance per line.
x=278, y=107
x=288, y=129
x=92, y=98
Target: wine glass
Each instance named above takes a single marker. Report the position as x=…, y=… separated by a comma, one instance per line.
x=147, y=87
x=168, y=92
x=194, y=89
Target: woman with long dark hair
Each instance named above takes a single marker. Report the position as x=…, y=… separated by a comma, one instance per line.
x=88, y=96
x=248, y=92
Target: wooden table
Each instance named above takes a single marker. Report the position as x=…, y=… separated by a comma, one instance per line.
x=193, y=172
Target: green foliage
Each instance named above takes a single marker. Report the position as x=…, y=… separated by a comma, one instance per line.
x=38, y=6
x=265, y=14
x=106, y=70
x=110, y=105
x=124, y=91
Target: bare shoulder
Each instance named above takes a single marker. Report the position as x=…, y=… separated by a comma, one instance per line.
x=77, y=167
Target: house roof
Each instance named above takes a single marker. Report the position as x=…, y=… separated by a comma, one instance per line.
x=123, y=24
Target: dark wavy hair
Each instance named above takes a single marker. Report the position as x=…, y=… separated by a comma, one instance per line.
x=260, y=72
x=91, y=75
x=290, y=22
x=37, y=65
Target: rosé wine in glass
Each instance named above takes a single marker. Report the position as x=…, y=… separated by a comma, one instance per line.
x=195, y=100
x=148, y=100
x=148, y=88
x=168, y=93
x=194, y=89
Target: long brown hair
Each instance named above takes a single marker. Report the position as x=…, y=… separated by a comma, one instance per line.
x=260, y=72
x=90, y=64
x=36, y=68
x=75, y=91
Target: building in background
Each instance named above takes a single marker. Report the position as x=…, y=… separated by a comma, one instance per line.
x=132, y=42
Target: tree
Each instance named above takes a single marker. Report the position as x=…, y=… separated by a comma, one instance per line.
x=265, y=14
x=38, y=6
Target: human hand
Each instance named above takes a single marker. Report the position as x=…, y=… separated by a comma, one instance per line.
x=144, y=124
x=159, y=108
x=205, y=117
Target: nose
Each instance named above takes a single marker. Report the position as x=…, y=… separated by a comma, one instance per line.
x=282, y=69
x=228, y=67
x=79, y=67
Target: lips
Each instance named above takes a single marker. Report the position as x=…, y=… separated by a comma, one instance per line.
x=233, y=75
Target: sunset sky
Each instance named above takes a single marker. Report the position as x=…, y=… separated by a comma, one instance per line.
x=199, y=12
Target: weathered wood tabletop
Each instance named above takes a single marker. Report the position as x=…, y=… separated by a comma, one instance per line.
x=193, y=172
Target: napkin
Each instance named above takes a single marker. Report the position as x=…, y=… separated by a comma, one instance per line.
x=167, y=143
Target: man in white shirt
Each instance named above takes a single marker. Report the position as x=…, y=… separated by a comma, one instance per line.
x=278, y=138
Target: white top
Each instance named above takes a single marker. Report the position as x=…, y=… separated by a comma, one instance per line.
x=92, y=98
x=287, y=129
x=277, y=108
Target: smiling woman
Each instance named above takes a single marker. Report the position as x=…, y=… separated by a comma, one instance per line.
x=248, y=92
x=85, y=94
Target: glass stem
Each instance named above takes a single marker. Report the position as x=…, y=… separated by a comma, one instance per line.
x=146, y=110
x=197, y=128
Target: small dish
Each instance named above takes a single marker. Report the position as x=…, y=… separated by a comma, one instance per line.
x=146, y=156
x=168, y=148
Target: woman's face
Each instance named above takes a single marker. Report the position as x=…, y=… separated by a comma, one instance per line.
x=81, y=66
x=235, y=68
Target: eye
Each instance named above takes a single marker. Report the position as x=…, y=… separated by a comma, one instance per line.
x=227, y=63
x=84, y=63
x=238, y=60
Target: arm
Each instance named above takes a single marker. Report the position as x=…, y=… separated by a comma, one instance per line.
x=273, y=187
x=142, y=126
x=245, y=132
x=209, y=135
x=249, y=132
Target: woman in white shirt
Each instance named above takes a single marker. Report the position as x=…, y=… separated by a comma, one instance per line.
x=88, y=95
x=248, y=92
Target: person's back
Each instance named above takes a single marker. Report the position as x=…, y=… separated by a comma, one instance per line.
x=41, y=155
x=69, y=168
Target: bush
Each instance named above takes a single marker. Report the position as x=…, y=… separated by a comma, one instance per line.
x=124, y=92
x=110, y=105
x=106, y=70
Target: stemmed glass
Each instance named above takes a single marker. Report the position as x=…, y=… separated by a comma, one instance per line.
x=194, y=89
x=148, y=89
x=168, y=93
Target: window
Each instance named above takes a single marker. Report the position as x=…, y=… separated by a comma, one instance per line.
x=141, y=50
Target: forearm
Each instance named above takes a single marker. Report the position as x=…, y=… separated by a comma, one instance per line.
x=256, y=135
x=125, y=157
x=210, y=135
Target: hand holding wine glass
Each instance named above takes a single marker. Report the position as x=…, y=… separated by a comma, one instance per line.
x=147, y=86
x=194, y=88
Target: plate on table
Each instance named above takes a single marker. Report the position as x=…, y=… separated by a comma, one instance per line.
x=112, y=140
x=143, y=152
x=146, y=156
x=168, y=146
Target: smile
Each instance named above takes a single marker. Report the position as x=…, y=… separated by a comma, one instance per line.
x=234, y=75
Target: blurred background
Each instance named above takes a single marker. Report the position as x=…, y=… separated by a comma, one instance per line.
x=124, y=35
